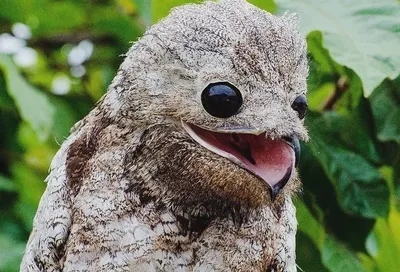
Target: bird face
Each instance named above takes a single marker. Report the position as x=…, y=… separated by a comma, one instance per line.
x=227, y=80
x=251, y=137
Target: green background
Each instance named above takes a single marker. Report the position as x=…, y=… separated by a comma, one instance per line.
x=349, y=210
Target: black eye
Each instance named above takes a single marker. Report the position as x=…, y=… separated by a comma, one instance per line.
x=300, y=105
x=221, y=99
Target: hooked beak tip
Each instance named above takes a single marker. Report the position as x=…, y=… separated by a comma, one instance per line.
x=274, y=192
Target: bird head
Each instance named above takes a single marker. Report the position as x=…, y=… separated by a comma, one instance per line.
x=219, y=92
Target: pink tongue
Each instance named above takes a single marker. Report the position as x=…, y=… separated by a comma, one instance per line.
x=272, y=160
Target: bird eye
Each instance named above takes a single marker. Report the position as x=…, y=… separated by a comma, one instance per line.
x=300, y=105
x=221, y=99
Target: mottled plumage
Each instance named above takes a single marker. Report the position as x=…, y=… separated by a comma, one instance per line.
x=131, y=190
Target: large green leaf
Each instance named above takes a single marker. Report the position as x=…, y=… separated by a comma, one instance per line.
x=385, y=102
x=338, y=257
x=359, y=186
x=360, y=34
x=33, y=105
x=334, y=254
x=348, y=131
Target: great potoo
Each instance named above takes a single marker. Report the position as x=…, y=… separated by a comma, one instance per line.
x=188, y=163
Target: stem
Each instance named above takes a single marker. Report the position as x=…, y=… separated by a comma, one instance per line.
x=341, y=87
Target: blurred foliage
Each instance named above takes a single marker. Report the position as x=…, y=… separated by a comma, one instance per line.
x=58, y=57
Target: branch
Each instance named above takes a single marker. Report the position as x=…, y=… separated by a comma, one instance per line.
x=341, y=86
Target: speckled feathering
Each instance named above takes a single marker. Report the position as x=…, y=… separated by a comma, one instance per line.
x=131, y=190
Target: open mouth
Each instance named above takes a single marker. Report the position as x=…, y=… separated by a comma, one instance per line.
x=272, y=160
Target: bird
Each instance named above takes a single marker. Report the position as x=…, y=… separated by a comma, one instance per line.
x=189, y=160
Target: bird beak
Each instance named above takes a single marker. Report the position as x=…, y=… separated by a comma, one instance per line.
x=272, y=160
x=294, y=143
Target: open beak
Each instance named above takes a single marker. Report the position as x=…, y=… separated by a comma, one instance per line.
x=272, y=160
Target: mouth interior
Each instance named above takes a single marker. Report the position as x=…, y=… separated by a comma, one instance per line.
x=270, y=159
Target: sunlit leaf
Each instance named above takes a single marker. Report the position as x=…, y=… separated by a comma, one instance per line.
x=37, y=154
x=384, y=242
x=309, y=225
x=268, y=5
x=360, y=34
x=34, y=106
x=161, y=8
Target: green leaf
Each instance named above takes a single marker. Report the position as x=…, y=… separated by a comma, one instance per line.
x=338, y=257
x=359, y=186
x=65, y=120
x=309, y=225
x=6, y=102
x=45, y=17
x=383, y=244
x=309, y=239
x=151, y=11
x=161, y=8
x=37, y=154
x=268, y=5
x=7, y=184
x=307, y=254
x=10, y=254
x=9, y=8
x=33, y=105
x=145, y=11
x=26, y=177
x=320, y=55
x=65, y=17
x=385, y=103
x=350, y=131
x=396, y=181
x=108, y=21
x=360, y=34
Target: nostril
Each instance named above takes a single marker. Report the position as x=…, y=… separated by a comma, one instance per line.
x=300, y=105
